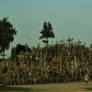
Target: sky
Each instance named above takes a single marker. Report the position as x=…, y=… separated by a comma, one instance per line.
x=69, y=18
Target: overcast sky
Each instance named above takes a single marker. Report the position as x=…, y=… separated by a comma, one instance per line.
x=68, y=17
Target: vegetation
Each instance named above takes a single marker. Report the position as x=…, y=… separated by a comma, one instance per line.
x=65, y=62
x=47, y=32
x=89, y=89
x=62, y=62
x=7, y=33
x=15, y=89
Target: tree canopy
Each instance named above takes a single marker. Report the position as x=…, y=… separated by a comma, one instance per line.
x=47, y=32
x=7, y=33
x=22, y=48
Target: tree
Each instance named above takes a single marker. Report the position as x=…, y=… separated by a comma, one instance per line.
x=47, y=32
x=22, y=48
x=13, y=54
x=7, y=33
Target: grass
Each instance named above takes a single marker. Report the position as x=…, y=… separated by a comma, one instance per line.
x=16, y=89
x=89, y=89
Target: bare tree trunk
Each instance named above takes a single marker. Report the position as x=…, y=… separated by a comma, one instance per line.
x=3, y=54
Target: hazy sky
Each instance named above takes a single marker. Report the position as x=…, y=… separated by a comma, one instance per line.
x=68, y=17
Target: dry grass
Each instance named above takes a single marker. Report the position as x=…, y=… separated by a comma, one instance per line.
x=59, y=87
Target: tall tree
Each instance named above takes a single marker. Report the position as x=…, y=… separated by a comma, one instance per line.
x=47, y=32
x=7, y=33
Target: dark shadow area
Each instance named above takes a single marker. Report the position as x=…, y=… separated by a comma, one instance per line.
x=19, y=89
x=15, y=89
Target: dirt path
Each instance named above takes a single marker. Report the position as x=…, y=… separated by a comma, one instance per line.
x=59, y=87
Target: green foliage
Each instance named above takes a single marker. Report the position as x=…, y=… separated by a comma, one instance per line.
x=13, y=54
x=21, y=48
x=47, y=32
x=7, y=33
x=89, y=88
x=15, y=89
